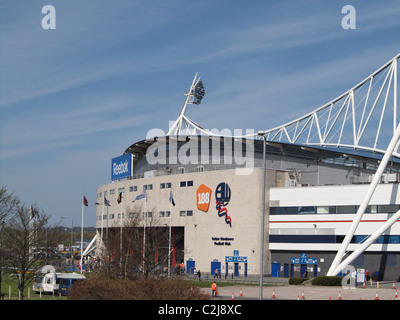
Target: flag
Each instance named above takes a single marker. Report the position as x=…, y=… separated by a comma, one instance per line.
x=171, y=199
x=141, y=196
x=106, y=202
x=85, y=202
x=119, y=197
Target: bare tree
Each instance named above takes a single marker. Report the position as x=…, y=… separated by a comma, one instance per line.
x=25, y=231
x=140, y=246
x=8, y=208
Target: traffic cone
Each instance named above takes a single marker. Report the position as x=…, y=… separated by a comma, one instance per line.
x=395, y=295
x=302, y=296
x=376, y=296
x=394, y=285
x=233, y=296
x=241, y=292
x=273, y=294
x=340, y=295
x=364, y=285
x=216, y=292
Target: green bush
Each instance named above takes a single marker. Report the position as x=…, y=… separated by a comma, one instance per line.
x=103, y=288
x=327, y=281
x=296, y=281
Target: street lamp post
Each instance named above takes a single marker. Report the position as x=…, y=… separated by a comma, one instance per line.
x=262, y=133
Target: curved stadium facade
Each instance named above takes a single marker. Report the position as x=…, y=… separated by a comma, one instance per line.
x=196, y=200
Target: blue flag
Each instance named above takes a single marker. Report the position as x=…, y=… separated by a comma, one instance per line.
x=141, y=196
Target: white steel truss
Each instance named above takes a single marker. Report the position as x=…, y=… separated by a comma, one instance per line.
x=365, y=117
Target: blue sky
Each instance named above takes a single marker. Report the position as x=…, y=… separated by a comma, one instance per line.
x=73, y=98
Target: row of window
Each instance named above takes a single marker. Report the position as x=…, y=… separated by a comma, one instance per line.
x=148, y=214
x=333, y=209
x=275, y=238
x=163, y=185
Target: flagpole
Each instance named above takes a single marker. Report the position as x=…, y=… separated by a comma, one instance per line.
x=83, y=196
x=120, y=236
x=144, y=229
x=169, y=238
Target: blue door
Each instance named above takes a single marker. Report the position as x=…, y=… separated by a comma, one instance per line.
x=190, y=265
x=215, y=265
x=286, y=270
x=303, y=269
x=236, y=269
x=275, y=269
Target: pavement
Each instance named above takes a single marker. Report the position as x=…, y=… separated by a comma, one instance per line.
x=309, y=292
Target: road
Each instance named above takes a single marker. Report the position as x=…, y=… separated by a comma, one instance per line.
x=300, y=292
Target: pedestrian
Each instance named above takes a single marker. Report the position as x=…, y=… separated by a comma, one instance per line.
x=195, y=273
x=214, y=289
x=367, y=275
x=216, y=273
x=199, y=275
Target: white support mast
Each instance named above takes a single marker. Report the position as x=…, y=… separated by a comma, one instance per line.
x=194, y=96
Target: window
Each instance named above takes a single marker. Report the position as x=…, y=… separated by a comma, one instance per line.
x=121, y=190
x=132, y=188
x=132, y=215
x=306, y=210
x=371, y=209
x=190, y=183
x=162, y=214
x=388, y=208
x=183, y=183
x=182, y=213
x=147, y=214
x=346, y=209
x=111, y=216
x=325, y=210
x=200, y=169
x=119, y=215
x=189, y=213
x=162, y=185
x=167, y=214
x=181, y=170
x=168, y=185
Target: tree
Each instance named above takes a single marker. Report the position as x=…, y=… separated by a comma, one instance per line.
x=23, y=233
x=139, y=246
x=8, y=208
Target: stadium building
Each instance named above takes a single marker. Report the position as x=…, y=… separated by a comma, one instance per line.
x=201, y=200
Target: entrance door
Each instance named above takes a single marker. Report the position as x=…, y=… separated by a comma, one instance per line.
x=236, y=269
x=303, y=270
x=275, y=269
x=190, y=265
x=215, y=265
x=286, y=270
